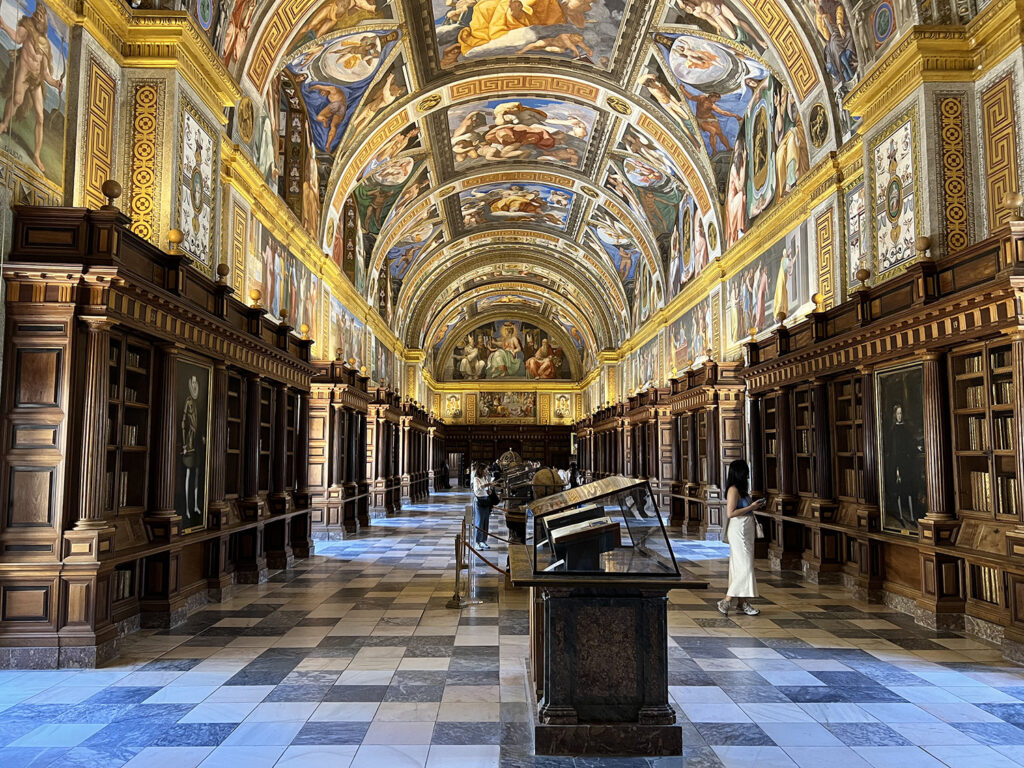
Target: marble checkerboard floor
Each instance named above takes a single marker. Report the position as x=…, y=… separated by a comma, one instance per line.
x=351, y=660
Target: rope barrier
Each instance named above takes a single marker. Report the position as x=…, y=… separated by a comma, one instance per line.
x=489, y=534
x=475, y=552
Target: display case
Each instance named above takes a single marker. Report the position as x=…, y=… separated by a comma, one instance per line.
x=610, y=527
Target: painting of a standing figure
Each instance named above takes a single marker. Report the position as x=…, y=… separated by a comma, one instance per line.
x=33, y=65
x=192, y=423
x=900, y=413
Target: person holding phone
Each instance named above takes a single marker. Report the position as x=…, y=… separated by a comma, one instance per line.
x=739, y=532
x=482, y=486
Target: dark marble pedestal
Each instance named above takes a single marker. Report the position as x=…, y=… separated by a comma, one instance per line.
x=604, y=674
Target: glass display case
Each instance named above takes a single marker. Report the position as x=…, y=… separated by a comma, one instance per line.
x=605, y=528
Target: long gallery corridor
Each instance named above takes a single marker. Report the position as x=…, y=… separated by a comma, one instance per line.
x=351, y=660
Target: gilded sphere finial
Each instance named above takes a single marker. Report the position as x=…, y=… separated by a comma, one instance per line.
x=223, y=270
x=255, y=295
x=175, y=238
x=304, y=330
x=111, y=189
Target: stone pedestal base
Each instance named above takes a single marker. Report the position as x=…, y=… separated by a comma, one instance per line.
x=611, y=740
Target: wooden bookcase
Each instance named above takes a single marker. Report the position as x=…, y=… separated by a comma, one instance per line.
x=803, y=440
x=235, y=434
x=128, y=408
x=291, y=424
x=266, y=439
x=848, y=437
x=983, y=388
x=683, y=448
x=100, y=328
x=770, y=443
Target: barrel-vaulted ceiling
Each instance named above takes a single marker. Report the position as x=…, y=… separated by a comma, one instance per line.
x=576, y=162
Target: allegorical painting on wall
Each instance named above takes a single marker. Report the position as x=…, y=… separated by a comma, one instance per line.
x=507, y=405
x=33, y=69
x=192, y=425
x=509, y=349
x=899, y=407
x=773, y=286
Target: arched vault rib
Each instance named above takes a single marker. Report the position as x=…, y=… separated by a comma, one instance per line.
x=574, y=264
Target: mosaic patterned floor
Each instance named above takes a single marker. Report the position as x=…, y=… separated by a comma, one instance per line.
x=352, y=661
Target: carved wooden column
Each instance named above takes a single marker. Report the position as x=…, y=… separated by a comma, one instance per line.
x=280, y=495
x=301, y=449
x=869, y=575
x=94, y=426
x=219, y=509
x=251, y=445
x=869, y=514
x=940, y=524
x=405, y=458
x=755, y=457
x=941, y=575
x=163, y=521
x=784, y=436
x=823, y=506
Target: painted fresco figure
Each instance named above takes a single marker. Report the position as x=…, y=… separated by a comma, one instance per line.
x=33, y=69
x=736, y=195
x=707, y=112
x=238, y=31
x=505, y=359
x=333, y=113
x=471, y=362
x=721, y=18
x=834, y=28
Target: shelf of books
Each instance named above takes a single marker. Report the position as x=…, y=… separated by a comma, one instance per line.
x=803, y=439
x=770, y=442
x=233, y=466
x=984, y=410
x=848, y=434
x=128, y=426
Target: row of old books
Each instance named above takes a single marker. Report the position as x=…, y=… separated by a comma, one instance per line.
x=123, y=488
x=130, y=434
x=986, y=584
x=1002, y=391
x=981, y=491
x=133, y=359
x=974, y=397
x=1003, y=429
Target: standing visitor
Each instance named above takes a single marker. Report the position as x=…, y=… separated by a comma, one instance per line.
x=481, y=503
x=574, y=475
x=739, y=532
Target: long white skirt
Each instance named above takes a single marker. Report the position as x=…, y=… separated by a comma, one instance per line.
x=742, y=532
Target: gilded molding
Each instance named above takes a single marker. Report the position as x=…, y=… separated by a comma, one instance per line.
x=953, y=179
x=144, y=167
x=99, y=134
x=999, y=129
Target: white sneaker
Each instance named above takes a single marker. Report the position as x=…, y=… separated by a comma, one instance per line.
x=483, y=545
x=750, y=610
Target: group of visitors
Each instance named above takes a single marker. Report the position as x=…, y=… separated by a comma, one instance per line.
x=484, y=482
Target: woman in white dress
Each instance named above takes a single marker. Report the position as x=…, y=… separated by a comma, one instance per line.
x=739, y=533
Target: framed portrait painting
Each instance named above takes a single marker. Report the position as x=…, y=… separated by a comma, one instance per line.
x=192, y=441
x=899, y=410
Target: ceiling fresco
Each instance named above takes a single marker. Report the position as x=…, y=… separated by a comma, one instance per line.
x=578, y=162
